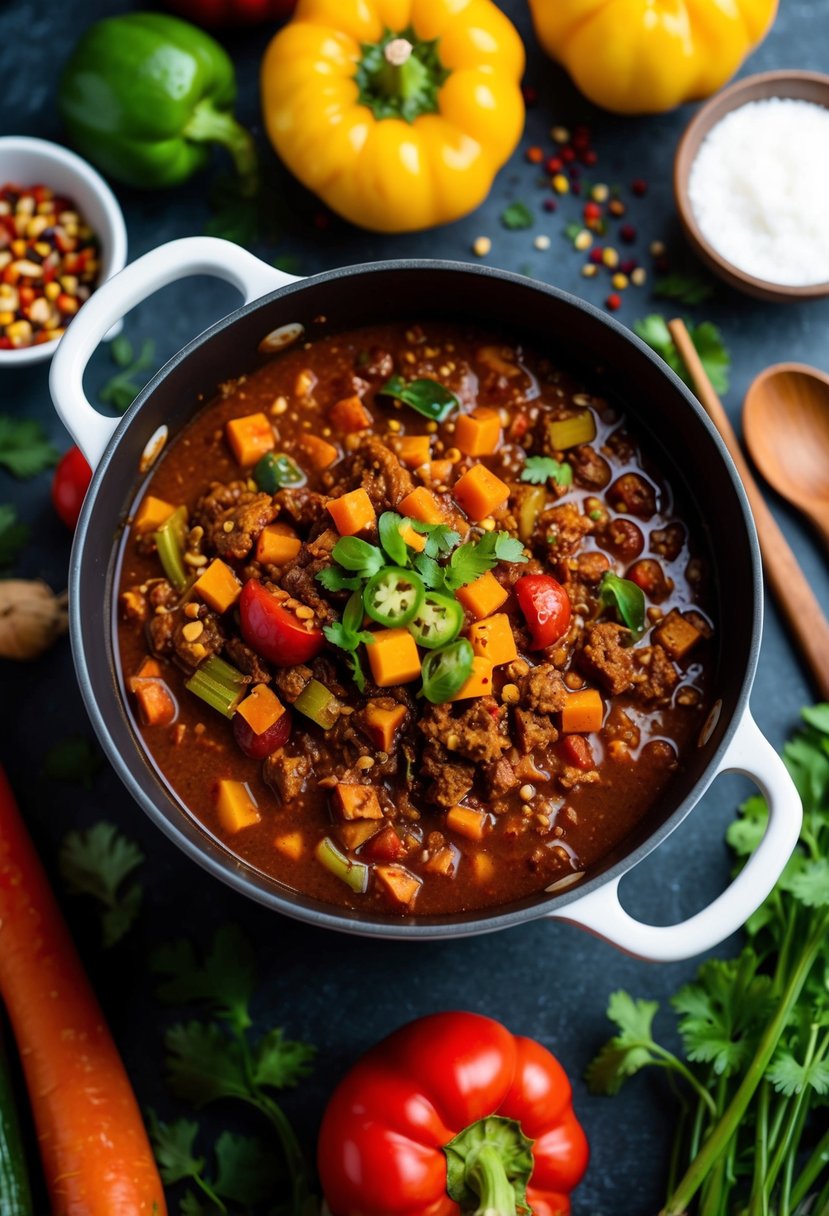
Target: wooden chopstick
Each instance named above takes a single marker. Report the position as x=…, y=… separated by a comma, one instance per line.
x=794, y=596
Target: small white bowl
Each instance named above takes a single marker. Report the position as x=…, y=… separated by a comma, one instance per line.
x=29, y=162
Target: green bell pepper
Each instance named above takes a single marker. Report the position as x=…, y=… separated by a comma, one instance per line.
x=144, y=95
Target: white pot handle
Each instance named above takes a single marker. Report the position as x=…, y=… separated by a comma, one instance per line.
x=175, y=260
x=601, y=913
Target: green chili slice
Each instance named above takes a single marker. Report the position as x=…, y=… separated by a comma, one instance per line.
x=445, y=671
x=354, y=873
x=169, y=541
x=319, y=704
x=393, y=596
x=438, y=620
x=219, y=684
x=275, y=471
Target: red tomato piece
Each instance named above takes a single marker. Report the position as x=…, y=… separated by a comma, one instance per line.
x=274, y=631
x=578, y=752
x=385, y=846
x=69, y=486
x=546, y=608
x=648, y=574
x=257, y=747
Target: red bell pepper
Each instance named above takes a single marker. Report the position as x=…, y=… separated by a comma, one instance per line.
x=452, y=1114
x=216, y=13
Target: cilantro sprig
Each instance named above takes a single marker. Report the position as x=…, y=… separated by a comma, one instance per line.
x=245, y=1171
x=754, y=1029
x=121, y=389
x=24, y=448
x=348, y=633
x=219, y=1057
x=97, y=862
x=705, y=337
x=13, y=535
x=541, y=469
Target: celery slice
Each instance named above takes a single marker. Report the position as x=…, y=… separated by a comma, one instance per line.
x=169, y=540
x=220, y=685
x=353, y=873
x=319, y=704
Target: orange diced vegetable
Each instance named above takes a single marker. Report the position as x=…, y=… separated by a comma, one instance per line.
x=156, y=706
x=412, y=450
x=483, y=866
x=422, y=505
x=493, y=639
x=250, y=438
x=357, y=832
x=466, y=822
x=444, y=861
x=260, y=709
x=277, y=544
x=393, y=657
x=320, y=452
x=152, y=513
x=478, y=433
x=677, y=635
x=382, y=723
x=350, y=415
x=570, y=432
x=483, y=596
x=436, y=472
x=218, y=586
x=357, y=801
x=292, y=845
x=583, y=712
x=399, y=884
x=235, y=806
x=415, y=540
x=150, y=669
x=352, y=512
x=479, y=682
x=479, y=492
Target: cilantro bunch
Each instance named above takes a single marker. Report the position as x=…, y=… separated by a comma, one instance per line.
x=752, y=1135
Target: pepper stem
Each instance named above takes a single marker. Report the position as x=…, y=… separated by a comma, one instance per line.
x=209, y=125
x=488, y=1177
x=400, y=76
x=488, y=1166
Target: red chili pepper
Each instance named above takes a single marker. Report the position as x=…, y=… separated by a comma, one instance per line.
x=451, y=1115
x=274, y=631
x=546, y=608
x=69, y=486
x=216, y=13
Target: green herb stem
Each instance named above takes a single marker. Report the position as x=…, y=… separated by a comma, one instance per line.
x=205, y=1187
x=719, y=1139
x=488, y=1178
x=794, y=1110
x=303, y=1199
x=811, y=1172
x=760, y=1199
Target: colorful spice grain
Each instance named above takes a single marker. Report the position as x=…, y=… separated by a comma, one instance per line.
x=49, y=264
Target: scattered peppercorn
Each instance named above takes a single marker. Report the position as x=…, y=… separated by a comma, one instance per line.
x=639, y=187
x=534, y=155
x=542, y=242
x=627, y=233
x=481, y=246
x=560, y=184
x=553, y=165
x=550, y=204
x=613, y=302
x=560, y=134
x=619, y=281
x=610, y=258
x=616, y=207
x=639, y=276
x=49, y=264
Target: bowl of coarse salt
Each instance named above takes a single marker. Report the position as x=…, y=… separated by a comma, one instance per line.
x=751, y=181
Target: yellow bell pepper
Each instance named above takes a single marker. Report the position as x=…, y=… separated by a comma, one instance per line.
x=646, y=56
x=397, y=113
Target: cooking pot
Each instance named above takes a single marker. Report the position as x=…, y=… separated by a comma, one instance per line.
x=120, y=451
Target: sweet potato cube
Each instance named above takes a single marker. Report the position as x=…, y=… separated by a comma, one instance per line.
x=320, y=452
x=398, y=883
x=235, y=806
x=444, y=861
x=422, y=505
x=479, y=492
x=352, y=512
x=218, y=586
x=150, y=669
x=150, y=516
x=412, y=450
x=393, y=657
x=156, y=704
x=479, y=682
x=357, y=802
x=415, y=540
x=483, y=867
x=277, y=545
x=493, y=639
x=250, y=438
x=382, y=723
x=291, y=844
x=357, y=832
x=478, y=433
x=677, y=635
x=260, y=709
x=349, y=415
x=466, y=822
x=483, y=596
x=582, y=713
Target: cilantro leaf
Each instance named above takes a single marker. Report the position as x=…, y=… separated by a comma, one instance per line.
x=24, y=449
x=246, y=1172
x=724, y=1011
x=517, y=216
x=705, y=337
x=627, y=598
x=630, y=1050
x=689, y=289
x=96, y=863
x=280, y=1062
x=358, y=556
x=573, y=230
x=203, y=1065
x=13, y=535
x=744, y=834
x=429, y=397
x=388, y=529
x=334, y=578
x=540, y=469
x=474, y=558
x=439, y=538
x=809, y=881
x=121, y=390
x=75, y=760
x=224, y=981
x=121, y=351
x=817, y=716
x=174, y=1145
x=433, y=575
x=789, y=1076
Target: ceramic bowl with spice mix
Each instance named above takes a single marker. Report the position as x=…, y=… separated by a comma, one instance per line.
x=61, y=234
x=751, y=177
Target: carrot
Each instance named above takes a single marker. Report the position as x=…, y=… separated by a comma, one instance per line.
x=96, y=1156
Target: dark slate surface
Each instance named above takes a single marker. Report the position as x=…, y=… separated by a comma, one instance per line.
x=546, y=980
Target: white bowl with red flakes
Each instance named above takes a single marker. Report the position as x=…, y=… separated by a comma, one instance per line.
x=29, y=162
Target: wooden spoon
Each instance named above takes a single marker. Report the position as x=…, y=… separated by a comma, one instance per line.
x=786, y=427
x=795, y=597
